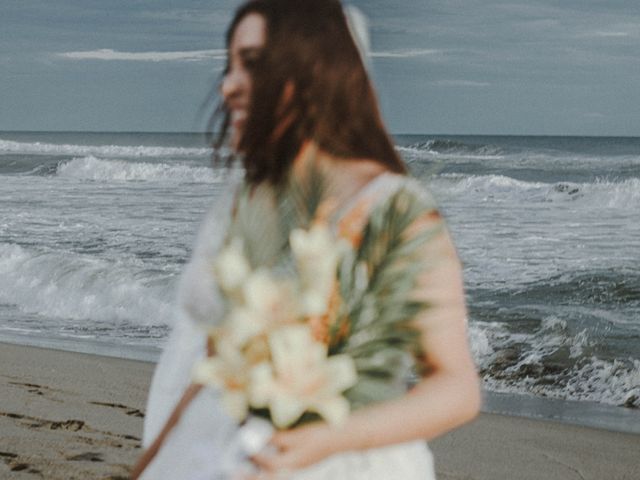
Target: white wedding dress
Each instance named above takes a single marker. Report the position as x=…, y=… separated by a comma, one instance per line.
x=203, y=445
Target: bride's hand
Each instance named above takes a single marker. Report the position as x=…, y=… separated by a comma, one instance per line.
x=295, y=449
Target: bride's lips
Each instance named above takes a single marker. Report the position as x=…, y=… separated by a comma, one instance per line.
x=238, y=117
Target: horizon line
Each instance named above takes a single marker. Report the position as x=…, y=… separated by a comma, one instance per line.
x=191, y=132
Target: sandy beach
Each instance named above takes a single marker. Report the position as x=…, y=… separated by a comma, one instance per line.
x=75, y=416
x=69, y=415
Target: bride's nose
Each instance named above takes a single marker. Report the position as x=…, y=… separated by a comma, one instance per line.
x=234, y=84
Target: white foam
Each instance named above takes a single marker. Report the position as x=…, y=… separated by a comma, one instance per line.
x=481, y=348
x=92, y=168
x=501, y=188
x=68, y=286
x=412, y=154
x=603, y=381
x=37, y=148
x=452, y=148
x=609, y=382
x=589, y=379
x=624, y=193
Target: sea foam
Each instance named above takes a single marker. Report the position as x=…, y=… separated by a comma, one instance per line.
x=552, y=362
x=38, y=148
x=438, y=147
x=501, y=188
x=76, y=287
x=97, y=169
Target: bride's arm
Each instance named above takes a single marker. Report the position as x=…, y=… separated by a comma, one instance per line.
x=446, y=397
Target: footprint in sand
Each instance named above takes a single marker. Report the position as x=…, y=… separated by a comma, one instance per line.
x=42, y=390
x=86, y=457
x=73, y=425
x=11, y=459
x=134, y=412
x=31, y=387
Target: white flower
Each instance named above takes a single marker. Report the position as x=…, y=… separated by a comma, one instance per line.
x=315, y=302
x=264, y=294
x=244, y=323
x=301, y=378
x=317, y=253
x=229, y=372
x=231, y=266
x=266, y=302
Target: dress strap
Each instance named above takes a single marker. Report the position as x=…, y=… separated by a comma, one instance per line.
x=366, y=193
x=351, y=219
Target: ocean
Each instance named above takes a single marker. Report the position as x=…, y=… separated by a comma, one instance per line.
x=96, y=227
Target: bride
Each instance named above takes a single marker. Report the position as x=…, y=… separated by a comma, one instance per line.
x=296, y=93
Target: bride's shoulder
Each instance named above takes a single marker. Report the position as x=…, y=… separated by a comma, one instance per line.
x=390, y=184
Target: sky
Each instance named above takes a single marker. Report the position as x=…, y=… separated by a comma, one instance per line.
x=537, y=67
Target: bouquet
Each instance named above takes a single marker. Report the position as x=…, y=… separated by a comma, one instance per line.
x=318, y=318
x=318, y=315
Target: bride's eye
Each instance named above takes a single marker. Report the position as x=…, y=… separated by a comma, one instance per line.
x=251, y=58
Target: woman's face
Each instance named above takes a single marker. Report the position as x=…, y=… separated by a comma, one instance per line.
x=245, y=49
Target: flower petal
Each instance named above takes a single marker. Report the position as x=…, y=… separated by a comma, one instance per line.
x=207, y=372
x=244, y=323
x=261, y=387
x=231, y=266
x=314, y=303
x=285, y=410
x=341, y=370
x=260, y=290
x=334, y=410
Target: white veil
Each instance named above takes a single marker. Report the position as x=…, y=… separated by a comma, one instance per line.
x=359, y=28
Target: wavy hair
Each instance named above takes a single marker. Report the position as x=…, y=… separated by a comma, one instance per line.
x=310, y=83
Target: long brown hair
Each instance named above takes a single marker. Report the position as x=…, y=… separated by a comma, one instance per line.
x=329, y=98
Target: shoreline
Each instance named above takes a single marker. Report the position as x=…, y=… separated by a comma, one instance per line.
x=571, y=412
x=68, y=415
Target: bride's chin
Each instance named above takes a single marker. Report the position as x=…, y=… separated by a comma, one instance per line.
x=236, y=136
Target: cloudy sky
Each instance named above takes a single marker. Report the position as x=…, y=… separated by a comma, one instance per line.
x=550, y=67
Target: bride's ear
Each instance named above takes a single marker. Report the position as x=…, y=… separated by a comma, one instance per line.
x=284, y=104
x=284, y=111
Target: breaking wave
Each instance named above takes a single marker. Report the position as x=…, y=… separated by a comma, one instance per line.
x=438, y=147
x=624, y=194
x=140, y=151
x=72, y=287
x=92, y=168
